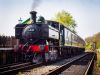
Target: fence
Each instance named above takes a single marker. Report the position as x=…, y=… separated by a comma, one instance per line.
x=7, y=41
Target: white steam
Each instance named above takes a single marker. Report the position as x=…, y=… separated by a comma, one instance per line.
x=35, y=4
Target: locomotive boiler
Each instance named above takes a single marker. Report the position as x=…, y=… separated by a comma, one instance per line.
x=46, y=40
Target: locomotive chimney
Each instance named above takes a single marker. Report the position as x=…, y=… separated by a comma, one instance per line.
x=33, y=16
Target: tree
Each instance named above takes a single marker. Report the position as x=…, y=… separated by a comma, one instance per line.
x=89, y=42
x=66, y=19
x=96, y=39
x=93, y=39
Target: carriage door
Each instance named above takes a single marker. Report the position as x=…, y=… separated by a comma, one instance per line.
x=62, y=41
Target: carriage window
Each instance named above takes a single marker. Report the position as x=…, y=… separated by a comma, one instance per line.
x=66, y=34
x=53, y=24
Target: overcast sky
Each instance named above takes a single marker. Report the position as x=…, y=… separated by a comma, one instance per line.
x=85, y=12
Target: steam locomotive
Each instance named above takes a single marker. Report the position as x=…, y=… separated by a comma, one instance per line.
x=46, y=40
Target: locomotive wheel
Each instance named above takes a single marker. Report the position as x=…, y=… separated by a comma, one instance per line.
x=53, y=55
x=37, y=58
x=27, y=56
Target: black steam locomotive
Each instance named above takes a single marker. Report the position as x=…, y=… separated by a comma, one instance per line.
x=45, y=40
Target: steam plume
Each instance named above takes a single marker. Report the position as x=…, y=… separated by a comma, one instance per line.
x=35, y=4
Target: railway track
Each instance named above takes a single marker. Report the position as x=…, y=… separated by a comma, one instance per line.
x=53, y=69
x=12, y=69
x=78, y=67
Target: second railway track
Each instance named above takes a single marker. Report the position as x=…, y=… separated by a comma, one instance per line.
x=78, y=67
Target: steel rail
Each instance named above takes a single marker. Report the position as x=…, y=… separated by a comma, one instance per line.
x=63, y=67
x=89, y=65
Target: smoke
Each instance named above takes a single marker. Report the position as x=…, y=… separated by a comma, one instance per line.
x=35, y=4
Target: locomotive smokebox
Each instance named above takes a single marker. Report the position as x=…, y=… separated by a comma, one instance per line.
x=33, y=16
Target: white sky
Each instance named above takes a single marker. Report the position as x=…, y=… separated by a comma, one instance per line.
x=85, y=12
